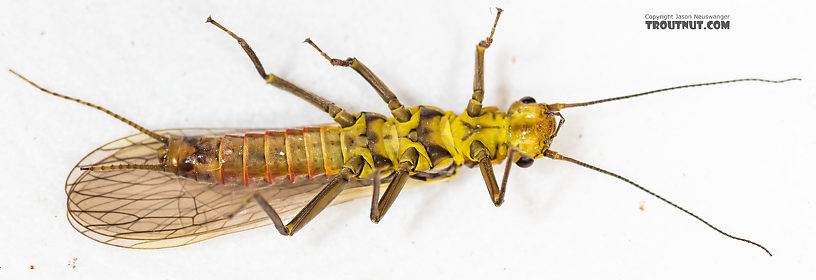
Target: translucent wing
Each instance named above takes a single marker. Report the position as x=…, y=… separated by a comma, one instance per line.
x=150, y=209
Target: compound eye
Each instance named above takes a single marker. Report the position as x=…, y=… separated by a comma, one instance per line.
x=524, y=162
x=527, y=100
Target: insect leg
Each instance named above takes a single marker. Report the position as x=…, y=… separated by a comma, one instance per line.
x=397, y=109
x=474, y=107
x=380, y=205
x=480, y=152
x=352, y=168
x=342, y=117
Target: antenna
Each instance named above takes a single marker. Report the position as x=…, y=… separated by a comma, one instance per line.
x=559, y=106
x=555, y=155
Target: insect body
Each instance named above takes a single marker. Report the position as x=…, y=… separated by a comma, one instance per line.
x=175, y=187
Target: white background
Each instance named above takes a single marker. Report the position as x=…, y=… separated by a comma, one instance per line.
x=739, y=155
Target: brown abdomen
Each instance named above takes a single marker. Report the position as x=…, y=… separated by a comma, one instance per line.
x=262, y=158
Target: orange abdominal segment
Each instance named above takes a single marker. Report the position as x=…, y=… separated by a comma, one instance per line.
x=258, y=158
x=232, y=159
x=254, y=159
x=277, y=166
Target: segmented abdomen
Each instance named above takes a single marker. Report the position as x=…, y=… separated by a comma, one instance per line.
x=260, y=158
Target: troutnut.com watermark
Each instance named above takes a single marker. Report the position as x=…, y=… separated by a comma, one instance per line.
x=688, y=21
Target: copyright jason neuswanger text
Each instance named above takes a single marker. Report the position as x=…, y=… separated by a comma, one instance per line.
x=688, y=21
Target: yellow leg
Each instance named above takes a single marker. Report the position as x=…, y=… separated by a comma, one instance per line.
x=352, y=168
x=486, y=166
x=474, y=107
x=380, y=205
x=342, y=117
x=397, y=109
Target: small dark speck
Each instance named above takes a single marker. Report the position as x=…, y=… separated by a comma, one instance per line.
x=505, y=269
x=31, y=267
x=42, y=33
x=580, y=136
